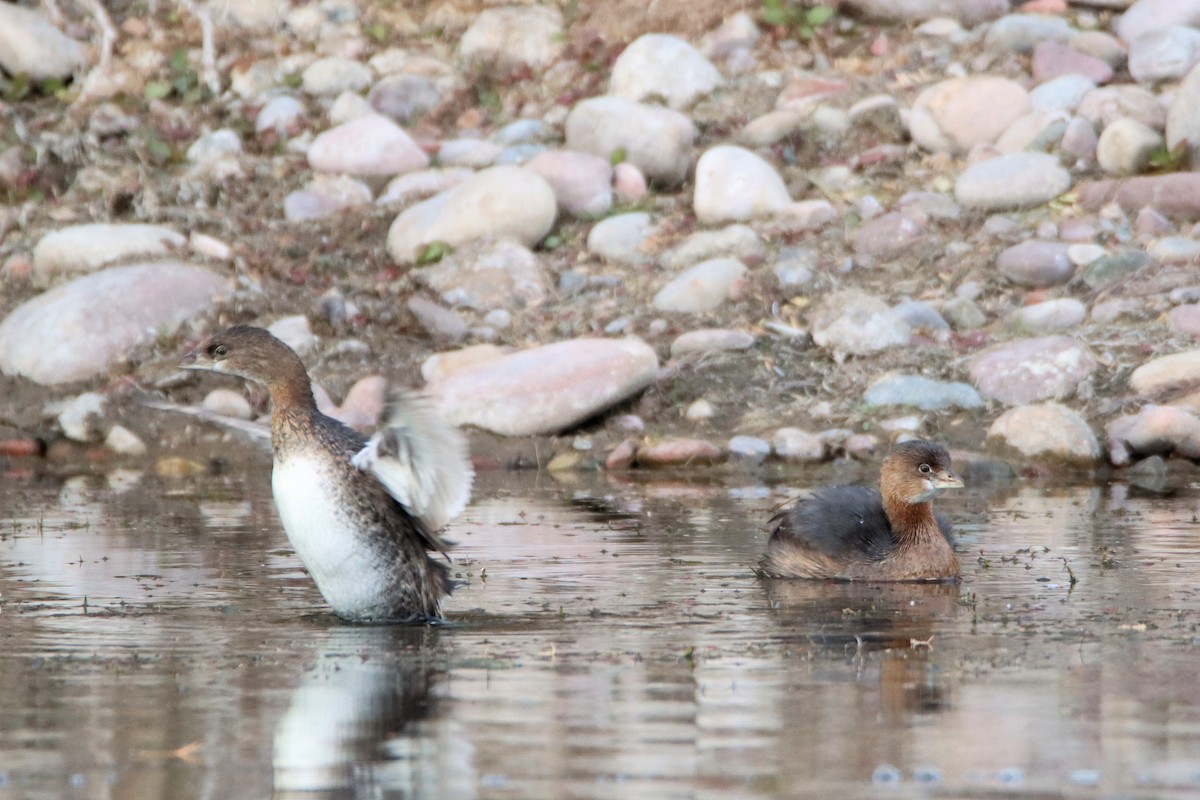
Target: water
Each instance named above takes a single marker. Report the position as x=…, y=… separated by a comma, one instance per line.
x=158, y=639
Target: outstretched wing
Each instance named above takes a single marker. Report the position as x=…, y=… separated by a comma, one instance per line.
x=420, y=459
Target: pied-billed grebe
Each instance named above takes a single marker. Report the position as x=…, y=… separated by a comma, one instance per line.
x=856, y=533
x=362, y=514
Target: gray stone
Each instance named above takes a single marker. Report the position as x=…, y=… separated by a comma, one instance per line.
x=923, y=393
x=921, y=316
x=329, y=77
x=78, y=249
x=410, y=187
x=1060, y=314
x=850, y=322
x=470, y=153
x=700, y=288
x=582, y=182
x=324, y=196
x=79, y=329
x=1045, y=432
x=1031, y=370
x=968, y=12
x=214, y=145
x=963, y=314
x=442, y=324
x=1021, y=33
x=1063, y=93
x=295, y=332
x=886, y=236
x=748, y=449
x=1166, y=54
x=124, y=442
x=1149, y=15
x=547, y=389
x=1036, y=264
x=660, y=66
x=404, y=98
x=795, y=266
x=797, y=445
x=1111, y=268
x=620, y=238
x=283, y=115
x=1153, y=431
x=733, y=241
x=656, y=140
x=1013, y=181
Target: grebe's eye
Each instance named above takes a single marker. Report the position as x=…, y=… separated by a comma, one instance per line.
x=924, y=469
x=219, y=351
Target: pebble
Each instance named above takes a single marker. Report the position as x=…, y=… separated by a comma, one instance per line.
x=1102, y=45
x=1111, y=268
x=710, y=340
x=1166, y=54
x=471, y=153
x=934, y=205
x=582, y=182
x=78, y=249
x=329, y=77
x=283, y=116
x=1036, y=264
x=1153, y=430
x=440, y=365
x=1083, y=254
x=79, y=329
x=748, y=449
x=1183, y=119
x=955, y=115
x=325, y=195
x=1045, y=431
x=795, y=266
x=622, y=456
x=372, y=146
x=1031, y=370
x=497, y=202
x=851, y=322
x=656, y=140
x=659, y=66
x=798, y=446
x=363, y=404
x=32, y=46
x=1176, y=194
x=921, y=316
x=732, y=241
x=1144, y=16
x=621, y=238
x=404, y=98
x=861, y=445
x=770, y=128
x=629, y=184
x=923, y=393
x=1125, y=147
x=702, y=287
x=968, y=12
x=1063, y=93
x=1060, y=314
x=1052, y=60
x=512, y=38
x=699, y=411
x=1021, y=33
x=124, y=442
x=408, y=188
x=227, y=403
x=488, y=275
x=213, y=146
x=80, y=418
x=1171, y=377
x=1012, y=181
x=886, y=237
x=295, y=332
x=1079, y=141
x=1174, y=250
x=963, y=314
x=1106, y=105
x=679, y=453
x=442, y=324
x=523, y=131
x=733, y=185
x=547, y=389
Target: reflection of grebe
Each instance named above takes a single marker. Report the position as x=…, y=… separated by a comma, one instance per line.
x=856, y=533
x=361, y=513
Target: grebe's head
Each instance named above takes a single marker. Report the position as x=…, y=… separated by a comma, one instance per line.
x=918, y=471
x=248, y=352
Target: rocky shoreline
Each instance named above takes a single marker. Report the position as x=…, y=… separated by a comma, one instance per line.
x=752, y=238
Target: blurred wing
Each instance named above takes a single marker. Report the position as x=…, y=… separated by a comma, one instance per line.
x=421, y=460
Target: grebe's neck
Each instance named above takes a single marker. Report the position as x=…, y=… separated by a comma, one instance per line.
x=911, y=522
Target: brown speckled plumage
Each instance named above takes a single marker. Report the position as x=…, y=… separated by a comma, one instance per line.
x=857, y=533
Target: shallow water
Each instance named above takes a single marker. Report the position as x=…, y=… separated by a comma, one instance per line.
x=158, y=639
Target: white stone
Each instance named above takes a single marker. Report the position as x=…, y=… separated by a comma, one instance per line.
x=702, y=287
x=955, y=115
x=656, y=140
x=227, y=403
x=215, y=145
x=372, y=145
x=620, y=238
x=295, y=332
x=281, y=115
x=124, y=442
x=1045, y=431
x=851, y=322
x=582, y=182
x=413, y=186
x=1125, y=147
x=329, y=77
x=734, y=185
x=81, y=417
x=1012, y=181
x=661, y=66
x=31, y=45
x=513, y=37
x=79, y=249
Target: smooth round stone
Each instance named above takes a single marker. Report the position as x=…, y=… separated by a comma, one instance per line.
x=1175, y=250
x=488, y=275
x=1100, y=44
x=1021, y=33
x=1150, y=222
x=79, y=329
x=324, y=196
x=1083, y=254
x=1111, y=268
x=368, y=146
x=733, y=185
x=1036, y=264
x=629, y=184
x=283, y=115
x=748, y=449
x=1037, y=130
x=1031, y=370
x=659, y=65
x=920, y=316
x=851, y=322
x=679, y=453
x=473, y=153
x=923, y=393
x=1154, y=431
x=699, y=411
x=582, y=182
x=795, y=266
x=79, y=249
x=1012, y=181
x=523, y=131
x=932, y=204
x=710, y=340
x=497, y=202
x=798, y=446
x=887, y=236
x=770, y=128
x=404, y=97
x=1063, y=93
x=955, y=115
x=31, y=45
x=350, y=106
x=81, y=418
x=732, y=241
x=622, y=456
x=413, y=186
x=329, y=77
x=1125, y=147
x=439, y=365
x=656, y=140
x=1172, y=376
x=1183, y=118
x=1149, y=15
x=227, y=403
x=1185, y=319
x=967, y=12
x=620, y=238
x=511, y=38
x=702, y=287
x=1046, y=431
x=124, y=442
x=1165, y=54
x=963, y=314
x=214, y=145
x=1112, y=310
x=520, y=154
x=442, y=324
x=547, y=389
x=1053, y=315
x=1079, y=140
x=1052, y=59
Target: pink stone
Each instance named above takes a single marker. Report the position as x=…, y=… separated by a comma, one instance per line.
x=622, y=456
x=370, y=145
x=363, y=405
x=679, y=453
x=1051, y=60
x=1176, y=194
x=582, y=182
x=1155, y=430
x=1030, y=370
x=629, y=184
